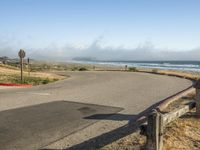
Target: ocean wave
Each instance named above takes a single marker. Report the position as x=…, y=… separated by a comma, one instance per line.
x=183, y=66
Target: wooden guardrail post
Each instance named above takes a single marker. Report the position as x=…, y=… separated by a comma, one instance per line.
x=153, y=131
x=161, y=131
x=197, y=97
x=157, y=121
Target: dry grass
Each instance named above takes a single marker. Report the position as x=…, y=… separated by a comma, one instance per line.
x=188, y=75
x=183, y=134
x=182, y=74
x=6, y=69
x=9, y=74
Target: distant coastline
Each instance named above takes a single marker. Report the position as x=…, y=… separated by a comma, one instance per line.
x=189, y=66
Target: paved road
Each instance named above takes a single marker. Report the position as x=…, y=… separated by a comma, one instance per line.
x=33, y=117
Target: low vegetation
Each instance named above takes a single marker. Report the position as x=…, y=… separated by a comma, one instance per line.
x=35, y=67
x=14, y=78
x=11, y=74
x=155, y=70
x=9, y=66
x=82, y=69
x=133, y=69
x=182, y=74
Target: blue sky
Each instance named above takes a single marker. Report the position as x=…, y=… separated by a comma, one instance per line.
x=72, y=26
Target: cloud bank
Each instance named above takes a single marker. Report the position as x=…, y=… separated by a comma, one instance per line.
x=95, y=50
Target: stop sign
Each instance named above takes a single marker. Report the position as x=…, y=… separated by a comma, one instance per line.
x=22, y=53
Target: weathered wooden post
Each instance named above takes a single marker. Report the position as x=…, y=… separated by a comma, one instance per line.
x=161, y=131
x=153, y=131
x=21, y=56
x=197, y=97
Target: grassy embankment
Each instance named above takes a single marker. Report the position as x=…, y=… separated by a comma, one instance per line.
x=182, y=74
x=41, y=72
x=11, y=74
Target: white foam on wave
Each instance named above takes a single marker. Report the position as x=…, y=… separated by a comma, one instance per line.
x=152, y=65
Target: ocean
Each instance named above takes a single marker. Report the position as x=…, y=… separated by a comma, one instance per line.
x=188, y=66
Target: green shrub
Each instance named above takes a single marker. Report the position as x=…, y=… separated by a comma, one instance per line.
x=82, y=69
x=27, y=80
x=133, y=69
x=45, y=81
x=55, y=79
x=74, y=68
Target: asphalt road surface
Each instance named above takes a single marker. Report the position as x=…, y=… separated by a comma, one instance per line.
x=31, y=118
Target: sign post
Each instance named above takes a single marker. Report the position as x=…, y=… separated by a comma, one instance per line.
x=28, y=61
x=21, y=55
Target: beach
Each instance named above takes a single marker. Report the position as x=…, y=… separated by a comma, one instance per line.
x=187, y=66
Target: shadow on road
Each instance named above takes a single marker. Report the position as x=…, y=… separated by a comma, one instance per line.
x=35, y=126
x=116, y=117
x=102, y=140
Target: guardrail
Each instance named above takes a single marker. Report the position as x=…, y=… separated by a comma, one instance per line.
x=157, y=120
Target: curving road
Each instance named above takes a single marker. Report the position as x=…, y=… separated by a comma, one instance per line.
x=39, y=115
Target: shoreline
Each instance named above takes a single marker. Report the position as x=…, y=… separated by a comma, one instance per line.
x=186, y=66
x=111, y=67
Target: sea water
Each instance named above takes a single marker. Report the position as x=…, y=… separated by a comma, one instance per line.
x=191, y=66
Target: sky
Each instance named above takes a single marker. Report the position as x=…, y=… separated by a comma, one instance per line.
x=101, y=29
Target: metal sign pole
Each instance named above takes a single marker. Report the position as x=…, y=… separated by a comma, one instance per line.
x=21, y=61
x=29, y=67
x=21, y=55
